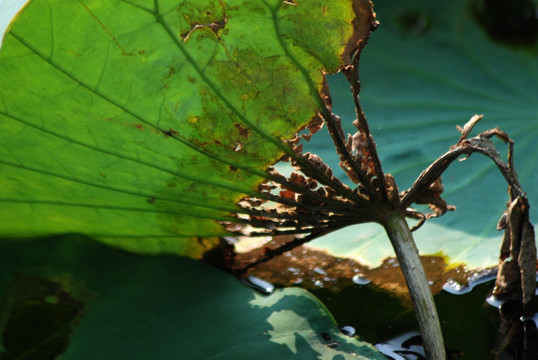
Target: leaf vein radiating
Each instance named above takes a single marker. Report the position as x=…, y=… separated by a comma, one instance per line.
x=511, y=89
x=304, y=72
x=177, y=137
x=250, y=124
x=119, y=208
x=445, y=81
x=201, y=180
x=114, y=189
x=127, y=118
x=172, y=236
x=139, y=6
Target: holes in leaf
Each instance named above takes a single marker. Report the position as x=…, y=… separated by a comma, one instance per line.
x=214, y=26
x=289, y=2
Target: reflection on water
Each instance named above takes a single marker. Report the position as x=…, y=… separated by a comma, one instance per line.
x=261, y=285
x=348, y=330
x=403, y=347
x=472, y=328
x=360, y=279
x=456, y=288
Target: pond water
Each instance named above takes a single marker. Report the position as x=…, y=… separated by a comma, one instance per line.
x=472, y=328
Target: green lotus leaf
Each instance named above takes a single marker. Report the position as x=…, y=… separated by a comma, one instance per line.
x=72, y=298
x=142, y=123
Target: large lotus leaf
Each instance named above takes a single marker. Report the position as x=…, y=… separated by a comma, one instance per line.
x=428, y=68
x=95, y=302
x=142, y=123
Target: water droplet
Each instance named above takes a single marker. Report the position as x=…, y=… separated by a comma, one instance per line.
x=294, y=270
x=320, y=271
x=261, y=285
x=455, y=288
x=531, y=318
x=360, y=280
x=318, y=283
x=403, y=344
x=348, y=330
x=494, y=301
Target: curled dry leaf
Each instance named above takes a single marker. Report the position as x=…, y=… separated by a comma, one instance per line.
x=432, y=198
x=517, y=264
x=468, y=127
x=309, y=206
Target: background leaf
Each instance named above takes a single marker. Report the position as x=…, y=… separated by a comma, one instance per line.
x=146, y=122
x=159, y=307
x=428, y=68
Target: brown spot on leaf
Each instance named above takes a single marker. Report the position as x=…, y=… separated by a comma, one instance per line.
x=171, y=72
x=242, y=130
x=170, y=132
x=214, y=26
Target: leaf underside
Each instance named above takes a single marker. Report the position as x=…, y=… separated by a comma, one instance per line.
x=144, y=124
